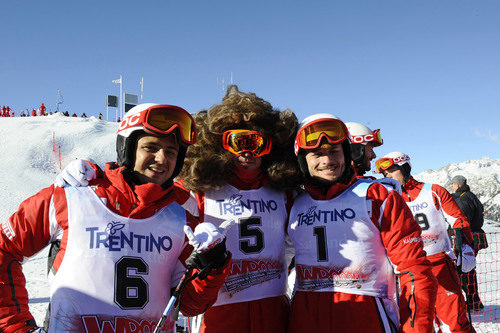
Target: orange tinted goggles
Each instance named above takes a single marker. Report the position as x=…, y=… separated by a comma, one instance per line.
x=309, y=137
x=383, y=164
x=162, y=120
x=239, y=141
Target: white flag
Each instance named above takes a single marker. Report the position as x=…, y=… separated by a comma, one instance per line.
x=117, y=80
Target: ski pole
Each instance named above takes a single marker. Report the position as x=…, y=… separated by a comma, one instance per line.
x=171, y=302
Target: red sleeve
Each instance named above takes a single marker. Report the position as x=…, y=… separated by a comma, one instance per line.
x=451, y=208
x=23, y=235
x=199, y=295
x=401, y=236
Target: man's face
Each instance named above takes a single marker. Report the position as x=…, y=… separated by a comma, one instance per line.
x=394, y=173
x=248, y=161
x=155, y=158
x=455, y=187
x=326, y=163
x=369, y=155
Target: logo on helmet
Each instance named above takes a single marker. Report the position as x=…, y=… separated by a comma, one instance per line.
x=363, y=138
x=402, y=158
x=127, y=122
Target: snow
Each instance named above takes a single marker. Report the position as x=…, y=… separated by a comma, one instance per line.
x=30, y=163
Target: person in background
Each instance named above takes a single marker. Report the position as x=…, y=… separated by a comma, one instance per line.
x=347, y=234
x=84, y=115
x=100, y=117
x=434, y=209
x=123, y=242
x=474, y=210
x=41, y=110
x=33, y=112
x=66, y=113
x=74, y=115
x=363, y=142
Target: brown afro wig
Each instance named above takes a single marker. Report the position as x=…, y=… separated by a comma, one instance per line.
x=209, y=166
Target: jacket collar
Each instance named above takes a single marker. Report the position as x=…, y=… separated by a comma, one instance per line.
x=140, y=194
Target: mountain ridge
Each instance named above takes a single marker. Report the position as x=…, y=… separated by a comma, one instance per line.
x=483, y=178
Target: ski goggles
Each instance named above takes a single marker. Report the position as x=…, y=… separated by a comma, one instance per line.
x=375, y=137
x=386, y=162
x=310, y=136
x=163, y=120
x=238, y=141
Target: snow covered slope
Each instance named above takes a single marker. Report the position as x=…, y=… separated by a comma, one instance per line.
x=29, y=163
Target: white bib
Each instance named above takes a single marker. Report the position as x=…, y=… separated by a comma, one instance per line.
x=117, y=271
x=432, y=222
x=257, y=242
x=337, y=246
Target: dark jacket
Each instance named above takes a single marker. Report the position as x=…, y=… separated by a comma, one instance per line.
x=470, y=206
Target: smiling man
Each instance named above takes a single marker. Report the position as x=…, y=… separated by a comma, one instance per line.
x=122, y=239
x=155, y=159
x=346, y=233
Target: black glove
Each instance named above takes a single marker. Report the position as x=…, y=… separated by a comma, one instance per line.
x=213, y=258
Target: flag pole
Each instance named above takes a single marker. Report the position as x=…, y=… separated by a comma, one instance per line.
x=121, y=99
x=142, y=86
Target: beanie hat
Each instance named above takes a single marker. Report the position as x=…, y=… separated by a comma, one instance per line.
x=459, y=180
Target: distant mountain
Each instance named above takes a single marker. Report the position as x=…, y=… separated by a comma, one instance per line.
x=483, y=177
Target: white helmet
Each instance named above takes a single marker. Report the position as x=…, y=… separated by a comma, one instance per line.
x=125, y=131
x=362, y=134
x=137, y=121
x=398, y=158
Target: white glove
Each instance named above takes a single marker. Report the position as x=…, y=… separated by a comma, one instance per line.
x=391, y=182
x=206, y=235
x=78, y=173
x=466, y=259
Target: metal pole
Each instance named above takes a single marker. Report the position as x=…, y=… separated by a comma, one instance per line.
x=121, y=98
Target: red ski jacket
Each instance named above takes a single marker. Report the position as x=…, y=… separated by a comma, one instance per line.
x=442, y=200
x=401, y=236
x=28, y=231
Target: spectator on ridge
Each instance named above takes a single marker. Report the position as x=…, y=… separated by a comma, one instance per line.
x=41, y=110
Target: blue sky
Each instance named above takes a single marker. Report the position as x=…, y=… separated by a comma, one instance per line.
x=426, y=72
